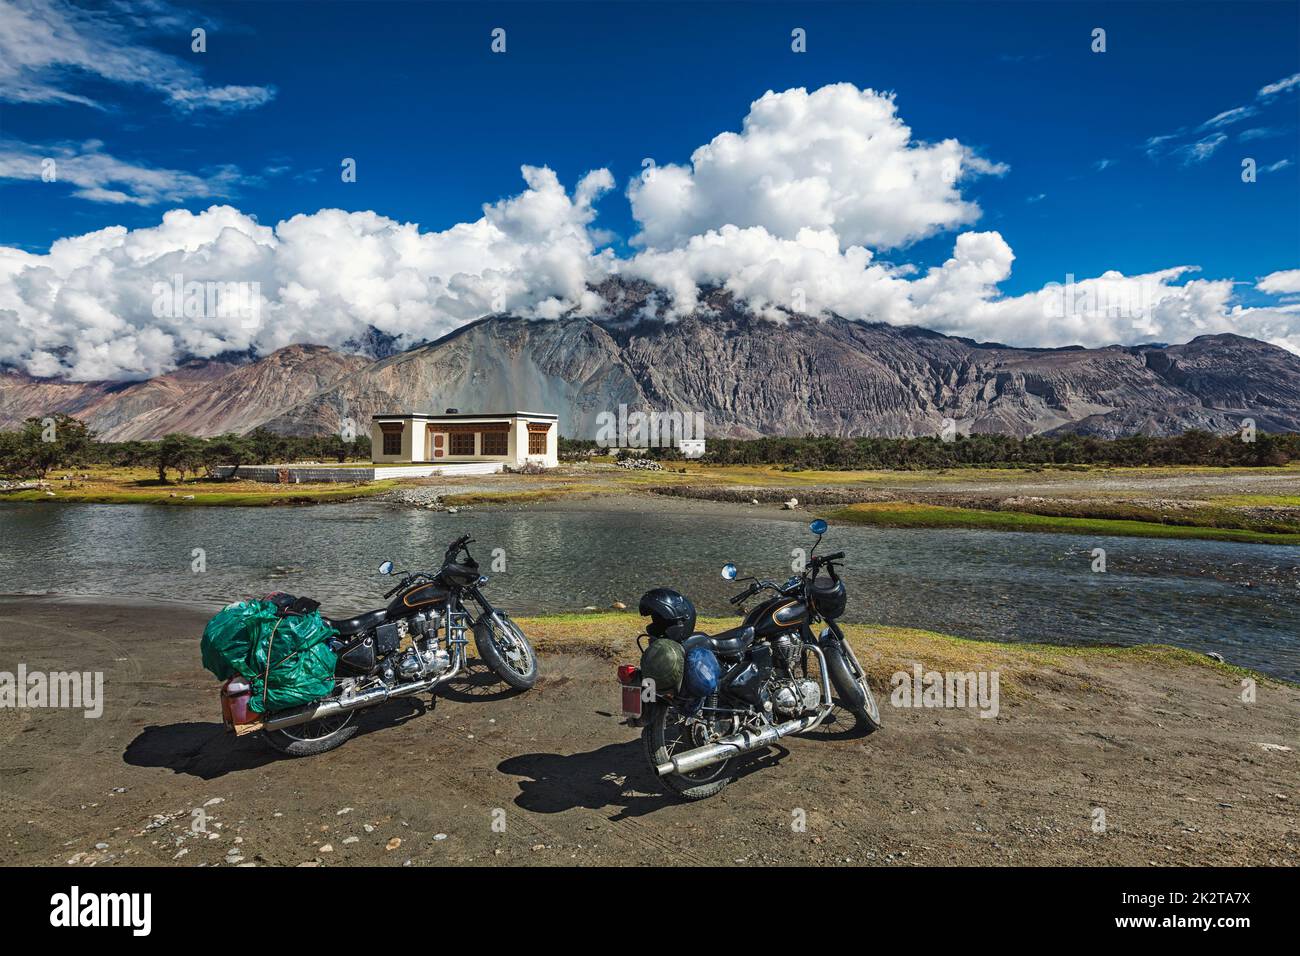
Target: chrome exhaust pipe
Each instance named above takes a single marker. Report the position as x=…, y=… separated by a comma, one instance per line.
x=747, y=741
x=740, y=743
x=338, y=705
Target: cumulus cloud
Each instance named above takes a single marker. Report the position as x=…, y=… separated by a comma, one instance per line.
x=1287, y=280
x=837, y=158
x=810, y=273
x=49, y=47
x=101, y=305
x=115, y=303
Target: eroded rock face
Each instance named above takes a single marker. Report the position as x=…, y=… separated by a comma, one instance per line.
x=200, y=398
x=748, y=377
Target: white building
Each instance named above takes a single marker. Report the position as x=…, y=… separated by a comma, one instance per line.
x=502, y=438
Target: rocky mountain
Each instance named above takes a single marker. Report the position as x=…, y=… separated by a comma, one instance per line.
x=201, y=397
x=748, y=377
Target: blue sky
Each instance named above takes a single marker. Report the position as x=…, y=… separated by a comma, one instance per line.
x=439, y=125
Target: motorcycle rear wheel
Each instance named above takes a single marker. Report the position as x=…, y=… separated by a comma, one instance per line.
x=664, y=735
x=313, y=737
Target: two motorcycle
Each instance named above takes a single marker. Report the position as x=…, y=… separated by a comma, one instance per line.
x=701, y=700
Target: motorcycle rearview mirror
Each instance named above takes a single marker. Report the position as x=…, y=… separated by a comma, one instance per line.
x=386, y=568
x=818, y=527
x=729, y=571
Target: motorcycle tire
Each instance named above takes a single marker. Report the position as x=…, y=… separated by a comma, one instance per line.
x=293, y=742
x=487, y=649
x=686, y=786
x=850, y=682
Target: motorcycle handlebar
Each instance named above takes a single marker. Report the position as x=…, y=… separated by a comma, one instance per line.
x=744, y=594
x=455, y=547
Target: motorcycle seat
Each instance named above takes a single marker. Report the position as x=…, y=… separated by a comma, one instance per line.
x=362, y=622
x=729, y=643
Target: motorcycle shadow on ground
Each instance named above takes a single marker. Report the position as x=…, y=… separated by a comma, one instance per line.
x=205, y=749
x=617, y=777
x=595, y=780
x=476, y=684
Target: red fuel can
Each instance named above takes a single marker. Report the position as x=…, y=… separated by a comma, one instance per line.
x=235, y=695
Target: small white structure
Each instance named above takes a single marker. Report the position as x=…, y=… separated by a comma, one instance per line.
x=497, y=439
x=691, y=447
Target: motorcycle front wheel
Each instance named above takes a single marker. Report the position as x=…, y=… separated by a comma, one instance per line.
x=506, y=650
x=850, y=680
x=667, y=733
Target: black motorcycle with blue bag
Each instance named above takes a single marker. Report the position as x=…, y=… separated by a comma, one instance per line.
x=704, y=700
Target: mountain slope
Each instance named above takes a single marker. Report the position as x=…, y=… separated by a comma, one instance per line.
x=201, y=398
x=751, y=377
x=748, y=377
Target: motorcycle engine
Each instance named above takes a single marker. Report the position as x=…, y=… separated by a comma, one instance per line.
x=423, y=659
x=795, y=696
x=786, y=648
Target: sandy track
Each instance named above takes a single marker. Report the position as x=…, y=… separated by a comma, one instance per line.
x=1171, y=755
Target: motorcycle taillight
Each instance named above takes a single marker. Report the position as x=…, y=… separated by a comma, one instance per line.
x=627, y=673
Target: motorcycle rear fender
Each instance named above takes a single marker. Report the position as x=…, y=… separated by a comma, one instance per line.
x=647, y=715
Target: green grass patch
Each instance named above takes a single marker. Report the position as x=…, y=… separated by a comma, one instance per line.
x=909, y=515
x=776, y=475
x=205, y=495
x=884, y=651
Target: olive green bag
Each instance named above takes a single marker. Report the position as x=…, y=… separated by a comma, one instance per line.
x=664, y=662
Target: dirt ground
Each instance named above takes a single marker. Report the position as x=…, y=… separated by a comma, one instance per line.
x=1171, y=755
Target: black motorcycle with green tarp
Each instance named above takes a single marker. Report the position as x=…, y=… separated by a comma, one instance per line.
x=299, y=677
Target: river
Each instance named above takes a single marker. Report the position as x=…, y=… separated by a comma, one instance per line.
x=1242, y=601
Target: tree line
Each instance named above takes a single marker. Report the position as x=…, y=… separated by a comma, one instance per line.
x=60, y=441
x=832, y=453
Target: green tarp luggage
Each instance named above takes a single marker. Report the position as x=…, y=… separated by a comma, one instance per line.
x=241, y=639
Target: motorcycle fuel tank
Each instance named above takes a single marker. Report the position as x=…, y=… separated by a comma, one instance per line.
x=780, y=614
x=421, y=596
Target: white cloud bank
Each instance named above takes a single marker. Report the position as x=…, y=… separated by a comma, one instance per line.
x=789, y=215
x=836, y=159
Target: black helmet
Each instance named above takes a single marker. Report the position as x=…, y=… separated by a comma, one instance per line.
x=671, y=614
x=829, y=597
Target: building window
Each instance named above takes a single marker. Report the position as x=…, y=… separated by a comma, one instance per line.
x=392, y=441
x=537, y=443
x=495, y=443
x=462, y=443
